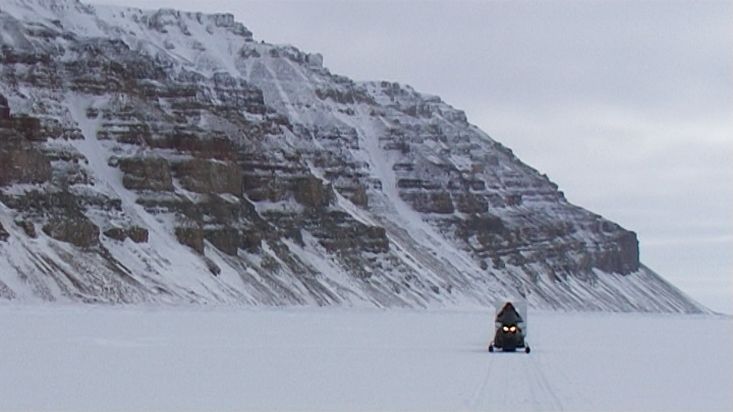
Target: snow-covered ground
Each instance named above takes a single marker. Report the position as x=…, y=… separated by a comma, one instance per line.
x=142, y=358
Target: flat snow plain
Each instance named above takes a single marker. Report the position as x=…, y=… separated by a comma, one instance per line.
x=141, y=358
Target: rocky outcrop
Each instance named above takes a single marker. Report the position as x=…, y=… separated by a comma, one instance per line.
x=192, y=237
x=21, y=163
x=135, y=233
x=209, y=176
x=146, y=174
x=312, y=193
x=20, y=160
x=4, y=110
x=289, y=184
x=28, y=228
x=434, y=202
x=77, y=230
x=225, y=239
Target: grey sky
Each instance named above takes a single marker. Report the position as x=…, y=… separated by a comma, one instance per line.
x=628, y=106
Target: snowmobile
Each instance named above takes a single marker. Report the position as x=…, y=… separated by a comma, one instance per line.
x=511, y=329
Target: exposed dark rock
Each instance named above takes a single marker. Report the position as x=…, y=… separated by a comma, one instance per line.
x=629, y=250
x=135, y=233
x=482, y=226
x=4, y=108
x=22, y=163
x=251, y=240
x=471, y=203
x=513, y=200
x=78, y=230
x=213, y=267
x=192, y=237
x=312, y=192
x=215, y=147
x=39, y=203
x=259, y=188
x=209, y=176
x=417, y=184
x=138, y=234
x=339, y=232
x=146, y=173
x=3, y=233
x=622, y=257
x=344, y=96
x=29, y=127
x=116, y=233
x=227, y=240
x=430, y=202
x=359, y=196
x=128, y=133
x=28, y=227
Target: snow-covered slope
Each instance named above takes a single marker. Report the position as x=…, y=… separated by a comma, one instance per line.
x=167, y=156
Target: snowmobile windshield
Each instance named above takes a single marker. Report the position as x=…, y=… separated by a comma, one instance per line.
x=508, y=315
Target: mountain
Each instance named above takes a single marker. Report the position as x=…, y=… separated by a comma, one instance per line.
x=167, y=156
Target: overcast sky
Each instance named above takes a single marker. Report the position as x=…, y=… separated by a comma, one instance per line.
x=628, y=106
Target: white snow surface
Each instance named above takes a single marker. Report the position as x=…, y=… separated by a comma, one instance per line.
x=90, y=358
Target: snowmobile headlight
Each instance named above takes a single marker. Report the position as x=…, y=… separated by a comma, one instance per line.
x=505, y=328
x=513, y=328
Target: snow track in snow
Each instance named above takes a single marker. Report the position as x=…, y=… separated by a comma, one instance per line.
x=515, y=379
x=224, y=358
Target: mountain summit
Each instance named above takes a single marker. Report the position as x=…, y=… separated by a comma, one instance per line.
x=167, y=156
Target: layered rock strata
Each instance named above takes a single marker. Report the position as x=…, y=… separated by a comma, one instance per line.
x=167, y=156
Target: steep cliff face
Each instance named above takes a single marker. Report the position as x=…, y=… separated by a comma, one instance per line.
x=167, y=156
